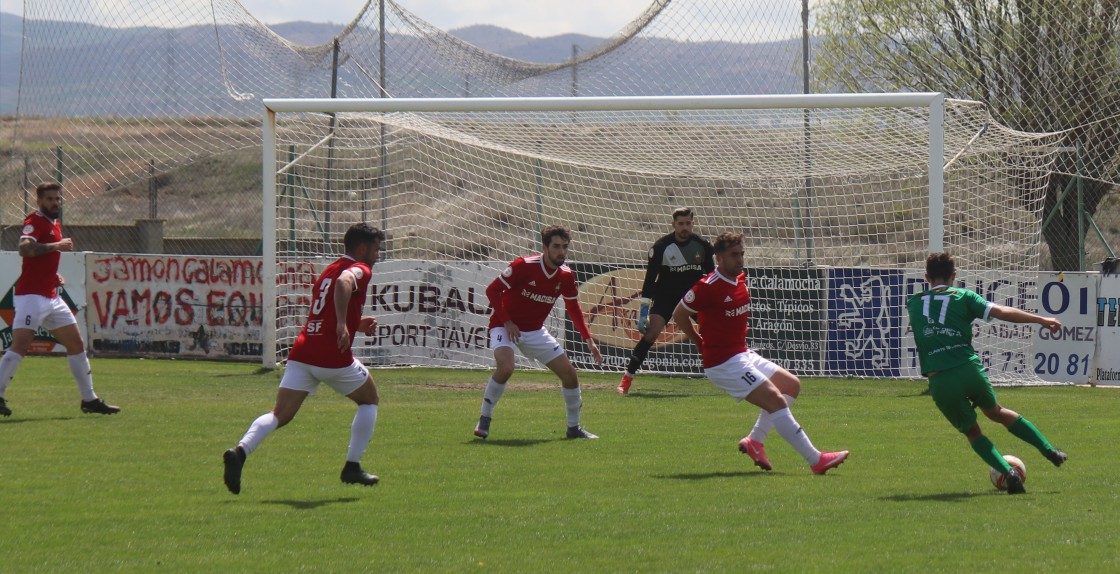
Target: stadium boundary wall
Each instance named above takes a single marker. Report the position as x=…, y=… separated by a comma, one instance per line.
x=210, y=307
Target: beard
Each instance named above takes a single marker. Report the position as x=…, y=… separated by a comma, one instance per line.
x=51, y=212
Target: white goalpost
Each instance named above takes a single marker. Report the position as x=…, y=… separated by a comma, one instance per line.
x=840, y=197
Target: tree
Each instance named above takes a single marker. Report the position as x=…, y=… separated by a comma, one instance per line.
x=1039, y=66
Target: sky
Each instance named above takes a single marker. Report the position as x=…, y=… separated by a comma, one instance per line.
x=539, y=18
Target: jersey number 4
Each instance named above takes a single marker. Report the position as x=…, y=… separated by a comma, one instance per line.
x=942, y=299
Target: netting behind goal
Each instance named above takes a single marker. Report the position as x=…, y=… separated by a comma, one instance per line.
x=835, y=203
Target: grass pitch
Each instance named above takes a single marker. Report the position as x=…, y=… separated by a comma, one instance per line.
x=663, y=490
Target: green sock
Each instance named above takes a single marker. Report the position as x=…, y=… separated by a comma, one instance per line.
x=987, y=451
x=1023, y=429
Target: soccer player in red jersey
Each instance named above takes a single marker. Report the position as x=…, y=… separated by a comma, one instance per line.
x=721, y=303
x=37, y=303
x=321, y=354
x=522, y=297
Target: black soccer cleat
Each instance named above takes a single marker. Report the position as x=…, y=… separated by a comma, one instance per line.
x=234, y=460
x=100, y=407
x=1015, y=482
x=580, y=432
x=482, y=429
x=352, y=473
x=4, y=410
x=1054, y=455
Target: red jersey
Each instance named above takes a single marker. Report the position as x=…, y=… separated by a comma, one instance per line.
x=722, y=306
x=316, y=344
x=526, y=292
x=40, y=274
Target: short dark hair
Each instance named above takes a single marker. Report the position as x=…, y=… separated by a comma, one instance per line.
x=360, y=233
x=682, y=212
x=726, y=240
x=555, y=231
x=940, y=265
x=48, y=186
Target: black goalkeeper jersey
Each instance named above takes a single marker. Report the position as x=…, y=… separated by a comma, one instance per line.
x=674, y=267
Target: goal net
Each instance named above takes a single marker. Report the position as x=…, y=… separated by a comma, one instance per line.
x=840, y=198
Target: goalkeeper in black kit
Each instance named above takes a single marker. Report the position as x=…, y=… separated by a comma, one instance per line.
x=676, y=262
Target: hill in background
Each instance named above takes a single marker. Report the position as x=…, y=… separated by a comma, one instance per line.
x=753, y=63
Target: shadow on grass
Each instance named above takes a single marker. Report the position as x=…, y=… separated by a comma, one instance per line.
x=942, y=497
x=707, y=475
x=510, y=441
x=9, y=421
x=656, y=394
x=310, y=504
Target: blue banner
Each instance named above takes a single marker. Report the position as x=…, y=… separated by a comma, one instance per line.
x=865, y=308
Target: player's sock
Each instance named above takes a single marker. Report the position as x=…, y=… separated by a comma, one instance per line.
x=987, y=451
x=491, y=396
x=83, y=375
x=638, y=356
x=1026, y=431
x=261, y=428
x=574, y=402
x=361, y=432
x=764, y=424
x=786, y=426
x=8, y=366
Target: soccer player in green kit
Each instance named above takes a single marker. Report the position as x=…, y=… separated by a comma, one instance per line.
x=941, y=319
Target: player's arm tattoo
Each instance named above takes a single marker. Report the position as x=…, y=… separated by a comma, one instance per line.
x=30, y=248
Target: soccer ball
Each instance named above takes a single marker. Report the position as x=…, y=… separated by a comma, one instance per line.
x=999, y=480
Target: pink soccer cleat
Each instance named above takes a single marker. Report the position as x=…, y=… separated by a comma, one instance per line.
x=829, y=460
x=756, y=451
x=624, y=386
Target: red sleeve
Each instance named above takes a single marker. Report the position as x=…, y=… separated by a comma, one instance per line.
x=494, y=292
x=693, y=299
x=575, y=313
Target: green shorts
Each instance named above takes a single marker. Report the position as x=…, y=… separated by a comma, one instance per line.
x=959, y=390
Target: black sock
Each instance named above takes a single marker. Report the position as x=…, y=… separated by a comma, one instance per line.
x=638, y=356
x=350, y=465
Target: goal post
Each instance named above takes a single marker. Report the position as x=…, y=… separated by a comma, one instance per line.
x=840, y=197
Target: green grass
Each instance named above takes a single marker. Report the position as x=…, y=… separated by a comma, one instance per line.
x=664, y=489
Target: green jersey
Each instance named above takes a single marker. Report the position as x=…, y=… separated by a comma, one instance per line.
x=941, y=319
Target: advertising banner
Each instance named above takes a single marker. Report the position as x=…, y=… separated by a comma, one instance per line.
x=1066, y=356
x=610, y=297
x=787, y=317
x=72, y=268
x=1107, y=310
x=865, y=322
x=432, y=313
x=175, y=306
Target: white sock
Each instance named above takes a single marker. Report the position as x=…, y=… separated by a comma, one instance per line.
x=574, y=402
x=764, y=424
x=795, y=435
x=490, y=399
x=262, y=427
x=8, y=366
x=83, y=375
x=361, y=431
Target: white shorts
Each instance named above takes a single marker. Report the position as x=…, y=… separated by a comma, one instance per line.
x=34, y=311
x=741, y=374
x=539, y=344
x=303, y=377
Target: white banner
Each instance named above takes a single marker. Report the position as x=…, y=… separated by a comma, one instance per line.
x=175, y=306
x=1107, y=320
x=429, y=313
x=1066, y=356
x=72, y=268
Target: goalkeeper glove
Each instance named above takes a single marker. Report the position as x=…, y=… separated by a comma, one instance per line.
x=643, y=316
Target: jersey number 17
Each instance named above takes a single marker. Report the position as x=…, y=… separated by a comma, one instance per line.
x=942, y=299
